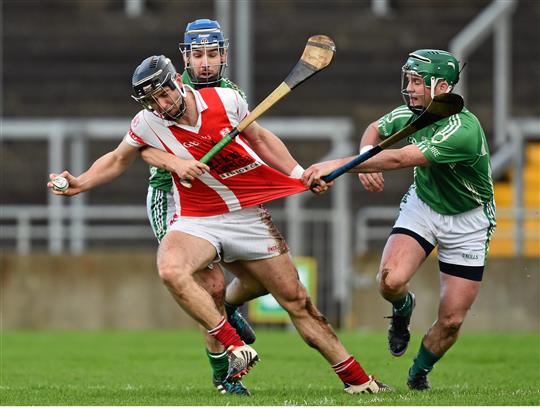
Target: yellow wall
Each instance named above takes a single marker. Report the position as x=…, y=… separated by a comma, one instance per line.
x=502, y=243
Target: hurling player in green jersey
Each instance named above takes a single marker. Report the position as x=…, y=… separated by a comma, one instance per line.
x=450, y=204
x=204, y=51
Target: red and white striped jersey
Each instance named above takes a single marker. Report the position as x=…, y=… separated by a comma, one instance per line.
x=238, y=177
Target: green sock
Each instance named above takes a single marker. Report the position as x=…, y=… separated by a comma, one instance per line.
x=423, y=362
x=219, y=363
x=403, y=306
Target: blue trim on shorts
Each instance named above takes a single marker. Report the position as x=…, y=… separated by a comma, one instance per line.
x=424, y=243
x=473, y=273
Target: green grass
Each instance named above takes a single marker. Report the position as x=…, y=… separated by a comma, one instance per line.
x=170, y=368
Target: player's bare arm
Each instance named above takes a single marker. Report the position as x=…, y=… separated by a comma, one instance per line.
x=373, y=182
x=393, y=159
x=270, y=148
x=103, y=170
x=186, y=169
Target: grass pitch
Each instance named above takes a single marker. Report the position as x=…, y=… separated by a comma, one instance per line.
x=170, y=368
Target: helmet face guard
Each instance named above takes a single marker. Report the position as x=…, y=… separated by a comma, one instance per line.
x=432, y=66
x=153, y=79
x=416, y=102
x=204, y=41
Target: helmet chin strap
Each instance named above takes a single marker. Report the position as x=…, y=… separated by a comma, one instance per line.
x=433, y=86
x=181, y=89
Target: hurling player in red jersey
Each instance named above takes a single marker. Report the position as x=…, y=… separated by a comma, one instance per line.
x=221, y=218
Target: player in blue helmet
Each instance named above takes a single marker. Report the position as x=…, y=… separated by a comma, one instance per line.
x=205, y=52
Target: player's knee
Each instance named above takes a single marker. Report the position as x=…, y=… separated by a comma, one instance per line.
x=303, y=308
x=388, y=282
x=295, y=302
x=451, y=324
x=172, y=275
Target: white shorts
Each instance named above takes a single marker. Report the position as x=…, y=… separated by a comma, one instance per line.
x=160, y=208
x=244, y=235
x=463, y=239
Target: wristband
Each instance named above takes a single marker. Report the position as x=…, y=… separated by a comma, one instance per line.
x=297, y=172
x=365, y=148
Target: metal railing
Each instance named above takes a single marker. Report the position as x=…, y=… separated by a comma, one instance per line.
x=496, y=19
x=521, y=130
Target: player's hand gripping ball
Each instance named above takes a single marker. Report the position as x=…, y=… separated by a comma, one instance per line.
x=60, y=183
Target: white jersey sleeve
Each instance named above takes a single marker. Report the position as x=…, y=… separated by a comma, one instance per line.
x=138, y=128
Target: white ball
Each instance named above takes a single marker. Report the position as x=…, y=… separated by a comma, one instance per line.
x=60, y=183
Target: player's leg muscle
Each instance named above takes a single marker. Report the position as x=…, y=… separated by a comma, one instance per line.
x=180, y=255
x=457, y=297
x=213, y=281
x=281, y=279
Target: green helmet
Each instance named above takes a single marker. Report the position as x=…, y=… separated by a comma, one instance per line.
x=433, y=65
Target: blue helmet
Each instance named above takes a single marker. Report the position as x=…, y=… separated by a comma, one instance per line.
x=202, y=32
x=201, y=35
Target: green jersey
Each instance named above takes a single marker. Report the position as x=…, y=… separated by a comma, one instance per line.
x=161, y=179
x=458, y=178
